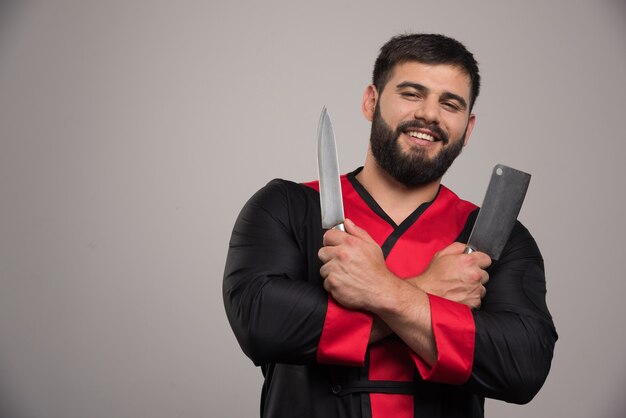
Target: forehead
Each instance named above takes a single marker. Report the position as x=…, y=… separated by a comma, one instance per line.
x=436, y=77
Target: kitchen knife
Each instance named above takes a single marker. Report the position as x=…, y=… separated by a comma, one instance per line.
x=498, y=213
x=328, y=171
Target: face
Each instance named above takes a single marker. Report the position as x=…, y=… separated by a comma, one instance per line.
x=420, y=122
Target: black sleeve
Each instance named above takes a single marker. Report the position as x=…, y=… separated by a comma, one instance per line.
x=272, y=290
x=515, y=335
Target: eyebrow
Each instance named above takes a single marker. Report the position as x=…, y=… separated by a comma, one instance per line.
x=421, y=88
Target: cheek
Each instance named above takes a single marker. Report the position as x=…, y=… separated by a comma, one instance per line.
x=455, y=126
x=395, y=113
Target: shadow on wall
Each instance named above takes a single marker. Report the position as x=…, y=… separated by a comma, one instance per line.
x=7, y=404
x=616, y=407
x=7, y=11
x=9, y=14
x=620, y=6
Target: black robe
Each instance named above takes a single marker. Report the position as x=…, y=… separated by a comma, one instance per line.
x=314, y=353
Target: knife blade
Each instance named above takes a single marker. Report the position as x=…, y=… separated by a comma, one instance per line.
x=331, y=200
x=498, y=213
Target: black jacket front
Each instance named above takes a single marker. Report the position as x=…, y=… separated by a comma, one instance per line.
x=277, y=307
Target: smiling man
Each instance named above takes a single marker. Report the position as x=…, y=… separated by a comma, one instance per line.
x=428, y=116
x=390, y=318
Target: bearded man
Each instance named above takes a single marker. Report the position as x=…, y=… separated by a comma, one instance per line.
x=390, y=318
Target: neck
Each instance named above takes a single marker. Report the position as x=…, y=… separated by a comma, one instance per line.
x=397, y=200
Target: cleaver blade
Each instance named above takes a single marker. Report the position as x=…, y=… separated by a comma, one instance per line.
x=498, y=213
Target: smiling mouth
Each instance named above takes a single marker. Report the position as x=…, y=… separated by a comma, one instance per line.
x=422, y=135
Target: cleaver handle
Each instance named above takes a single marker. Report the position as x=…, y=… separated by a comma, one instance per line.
x=498, y=213
x=468, y=250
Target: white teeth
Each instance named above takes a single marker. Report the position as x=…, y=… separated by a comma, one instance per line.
x=421, y=135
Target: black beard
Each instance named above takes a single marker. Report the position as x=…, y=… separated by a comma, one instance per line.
x=414, y=168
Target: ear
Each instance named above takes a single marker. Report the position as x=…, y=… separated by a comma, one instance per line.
x=470, y=127
x=370, y=98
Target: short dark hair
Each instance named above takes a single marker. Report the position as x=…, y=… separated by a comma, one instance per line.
x=428, y=49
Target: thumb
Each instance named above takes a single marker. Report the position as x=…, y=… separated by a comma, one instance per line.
x=352, y=229
x=454, y=248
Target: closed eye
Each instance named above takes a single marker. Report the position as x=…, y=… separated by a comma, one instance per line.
x=410, y=95
x=452, y=106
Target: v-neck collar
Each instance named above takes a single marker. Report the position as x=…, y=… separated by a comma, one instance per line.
x=369, y=200
x=398, y=230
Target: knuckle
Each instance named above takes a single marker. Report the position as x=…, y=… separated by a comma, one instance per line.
x=457, y=246
x=466, y=260
x=329, y=284
x=324, y=270
x=343, y=255
x=350, y=240
x=474, y=276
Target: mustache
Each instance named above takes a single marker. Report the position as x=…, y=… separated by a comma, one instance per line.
x=420, y=124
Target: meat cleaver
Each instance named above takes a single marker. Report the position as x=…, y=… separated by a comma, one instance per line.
x=498, y=213
x=328, y=170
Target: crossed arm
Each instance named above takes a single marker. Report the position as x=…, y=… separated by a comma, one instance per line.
x=356, y=276
x=514, y=338
x=277, y=306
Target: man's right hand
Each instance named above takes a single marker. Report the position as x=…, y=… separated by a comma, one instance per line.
x=456, y=276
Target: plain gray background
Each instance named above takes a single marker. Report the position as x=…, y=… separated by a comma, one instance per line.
x=132, y=132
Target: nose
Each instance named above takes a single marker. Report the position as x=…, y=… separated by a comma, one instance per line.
x=428, y=110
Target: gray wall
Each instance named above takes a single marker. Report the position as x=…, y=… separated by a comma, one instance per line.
x=132, y=132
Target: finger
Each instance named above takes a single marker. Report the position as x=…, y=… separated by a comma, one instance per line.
x=326, y=254
x=333, y=237
x=324, y=271
x=482, y=260
x=484, y=278
x=474, y=303
x=454, y=248
x=353, y=229
x=483, y=292
x=323, y=254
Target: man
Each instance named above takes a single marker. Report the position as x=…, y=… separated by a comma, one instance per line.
x=390, y=318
